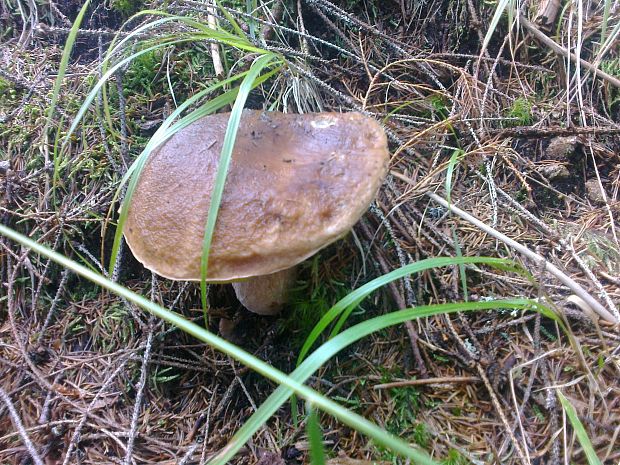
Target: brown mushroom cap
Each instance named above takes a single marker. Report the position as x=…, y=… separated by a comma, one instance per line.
x=295, y=184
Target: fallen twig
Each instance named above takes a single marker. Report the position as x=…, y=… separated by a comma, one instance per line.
x=565, y=53
x=20, y=427
x=552, y=131
x=420, y=382
x=139, y=394
x=566, y=280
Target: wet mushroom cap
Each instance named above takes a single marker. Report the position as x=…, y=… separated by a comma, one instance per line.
x=295, y=184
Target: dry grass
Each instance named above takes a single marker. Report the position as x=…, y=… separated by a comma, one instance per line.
x=75, y=362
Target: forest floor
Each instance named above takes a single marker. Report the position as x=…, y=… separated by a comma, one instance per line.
x=516, y=134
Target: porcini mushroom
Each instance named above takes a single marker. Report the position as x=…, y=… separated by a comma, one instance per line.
x=295, y=184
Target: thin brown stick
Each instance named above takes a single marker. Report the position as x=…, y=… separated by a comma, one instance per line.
x=19, y=426
x=133, y=432
x=552, y=131
x=215, y=47
x=421, y=382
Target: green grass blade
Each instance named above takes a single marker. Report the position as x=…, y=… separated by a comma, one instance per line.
x=608, y=44
x=344, y=316
x=62, y=70
x=315, y=437
x=230, y=18
x=167, y=130
x=222, y=169
x=250, y=9
x=347, y=417
x=499, y=10
x=454, y=159
x=355, y=297
x=64, y=61
x=351, y=335
x=580, y=431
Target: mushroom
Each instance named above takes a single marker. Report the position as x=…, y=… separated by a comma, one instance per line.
x=295, y=184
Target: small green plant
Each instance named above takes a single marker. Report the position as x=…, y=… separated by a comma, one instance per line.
x=127, y=7
x=162, y=376
x=455, y=458
x=8, y=94
x=520, y=113
x=114, y=324
x=407, y=401
x=580, y=431
x=4, y=85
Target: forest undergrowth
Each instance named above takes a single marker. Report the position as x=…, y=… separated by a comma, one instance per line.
x=504, y=127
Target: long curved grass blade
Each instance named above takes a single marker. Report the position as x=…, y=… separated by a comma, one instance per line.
x=64, y=61
x=229, y=18
x=499, y=11
x=62, y=70
x=327, y=405
x=222, y=168
x=167, y=130
x=346, y=304
x=580, y=431
x=93, y=93
x=351, y=335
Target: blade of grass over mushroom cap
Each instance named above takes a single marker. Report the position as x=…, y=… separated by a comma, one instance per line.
x=204, y=32
x=167, y=130
x=222, y=168
x=347, y=417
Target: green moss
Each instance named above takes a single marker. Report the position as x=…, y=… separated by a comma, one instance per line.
x=520, y=113
x=455, y=458
x=4, y=85
x=142, y=76
x=311, y=299
x=127, y=7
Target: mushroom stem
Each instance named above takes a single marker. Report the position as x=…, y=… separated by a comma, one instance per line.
x=266, y=294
